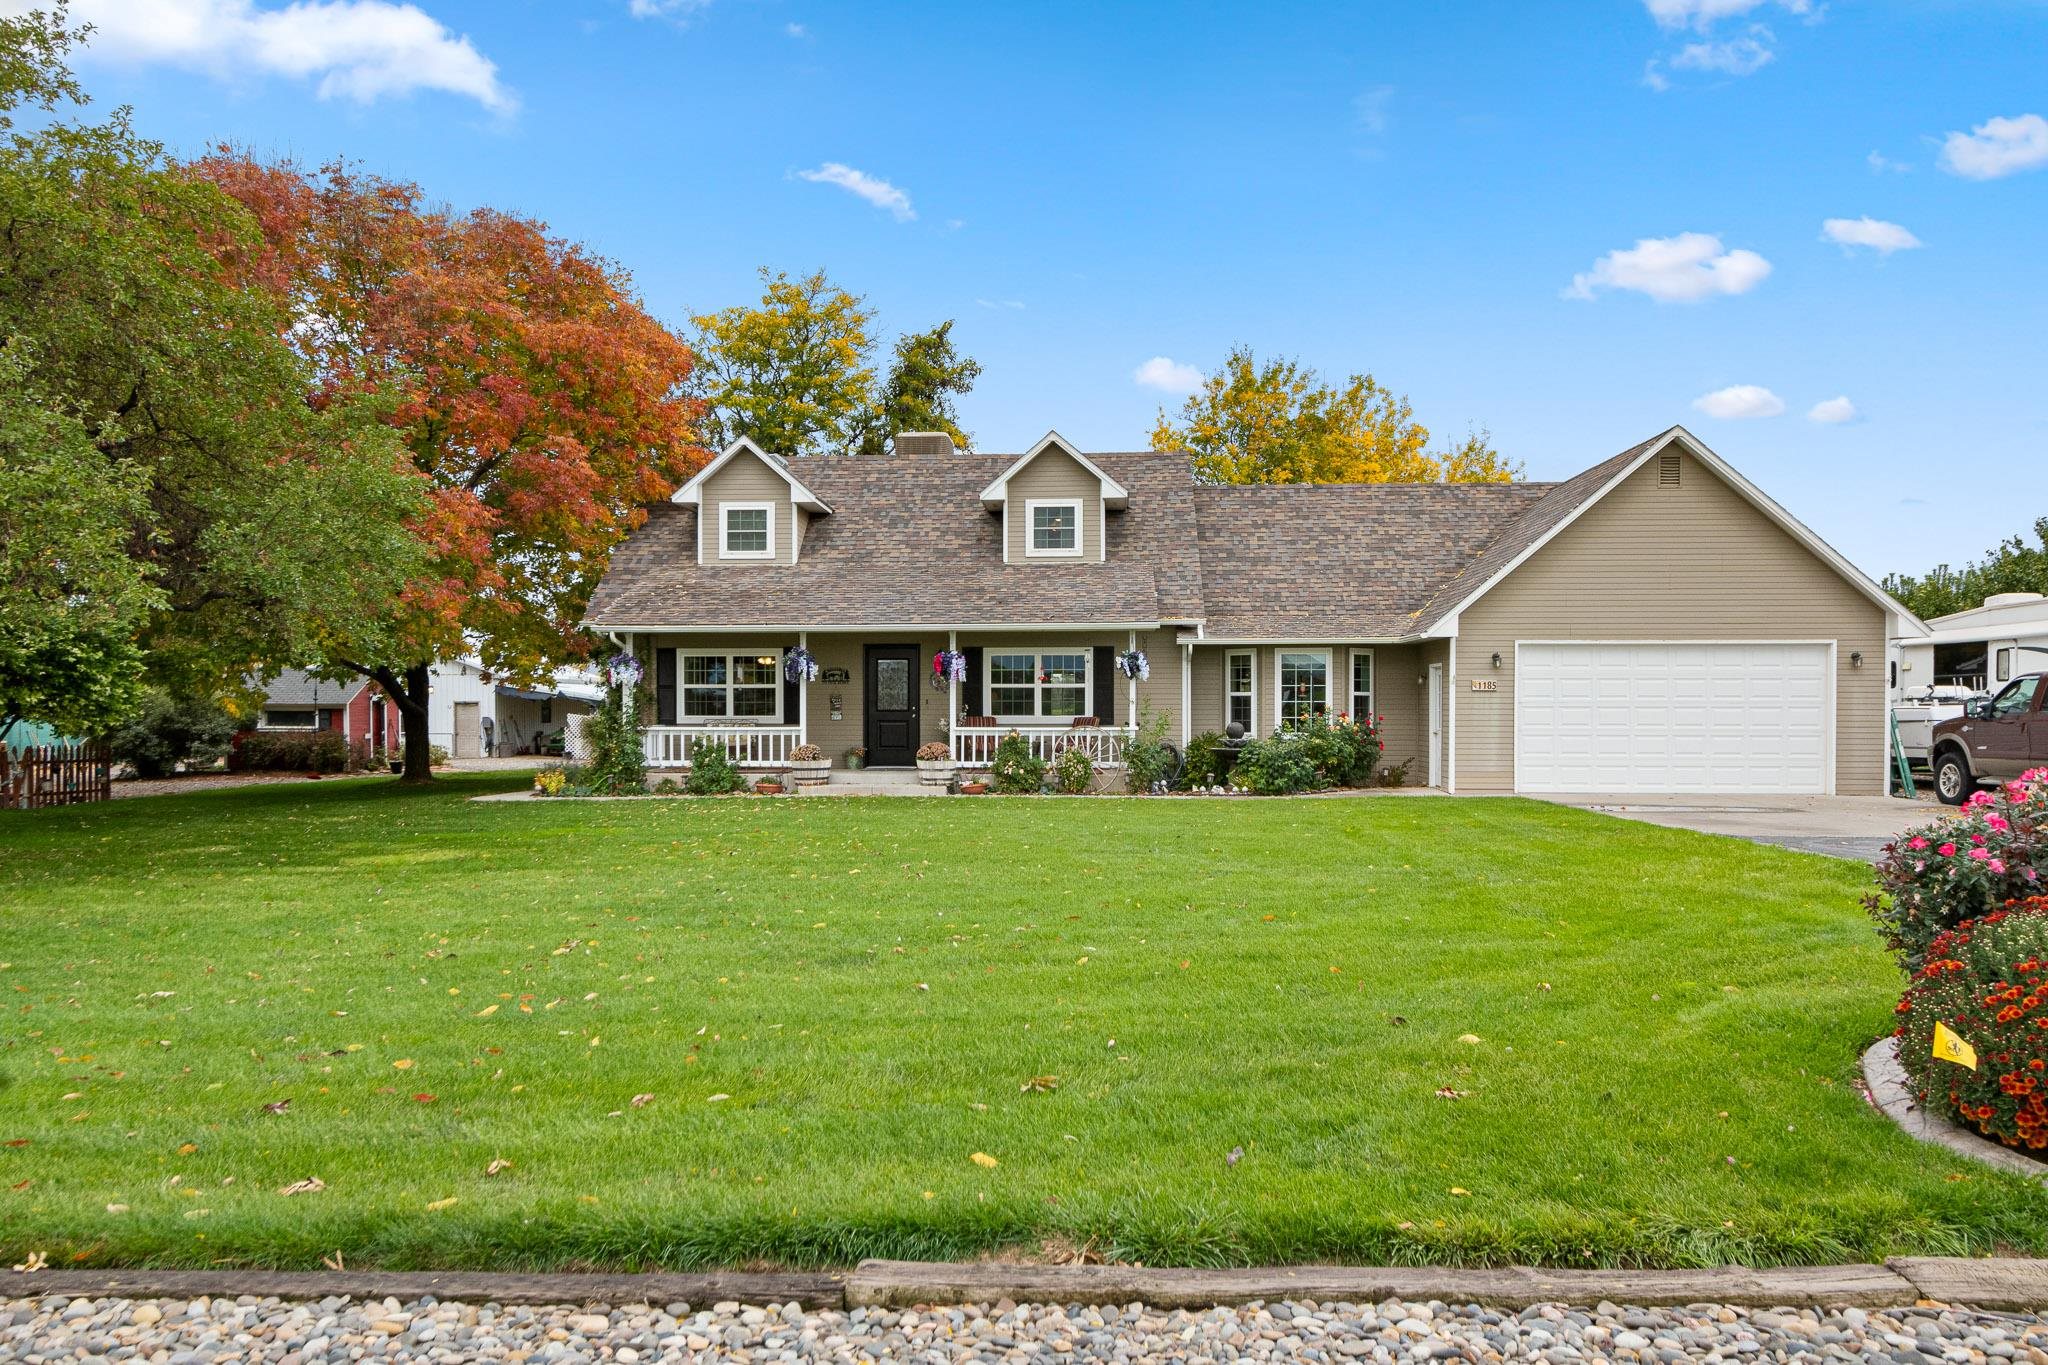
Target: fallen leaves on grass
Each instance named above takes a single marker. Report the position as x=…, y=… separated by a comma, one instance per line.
x=1040, y=1084
x=117, y=1208
x=642, y=1101
x=1448, y=1093
x=716, y=1098
x=1469, y=1039
x=487, y=1011
x=424, y=1098
x=499, y=1165
x=1233, y=1156
x=333, y=1262
x=36, y=1261
x=282, y=1106
x=1461, y=1192
x=440, y=1204
x=188, y=1148
x=402, y=1064
x=983, y=1159
x=310, y=1185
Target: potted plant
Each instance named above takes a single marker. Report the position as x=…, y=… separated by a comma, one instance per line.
x=857, y=757
x=973, y=787
x=769, y=786
x=935, y=764
x=808, y=764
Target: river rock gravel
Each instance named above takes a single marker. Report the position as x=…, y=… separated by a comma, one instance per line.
x=225, y=1331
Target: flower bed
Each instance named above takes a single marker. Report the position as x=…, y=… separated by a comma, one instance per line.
x=1994, y=850
x=1986, y=983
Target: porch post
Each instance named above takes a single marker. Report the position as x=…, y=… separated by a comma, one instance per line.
x=1131, y=686
x=1187, y=667
x=803, y=695
x=952, y=690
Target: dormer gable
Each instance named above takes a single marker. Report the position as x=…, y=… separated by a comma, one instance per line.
x=1053, y=500
x=751, y=508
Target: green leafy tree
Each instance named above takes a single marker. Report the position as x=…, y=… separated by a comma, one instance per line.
x=2012, y=566
x=919, y=394
x=794, y=374
x=1278, y=421
x=203, y=517
x=171, y=730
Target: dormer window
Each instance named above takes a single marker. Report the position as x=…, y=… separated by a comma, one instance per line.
x=1055, y=528
x=747, y=530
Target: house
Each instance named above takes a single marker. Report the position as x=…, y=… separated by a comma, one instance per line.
x=356, y=709
x=1653, y=624
x=1978, y=650
x=471, y=714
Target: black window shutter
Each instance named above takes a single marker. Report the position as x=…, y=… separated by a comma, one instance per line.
x=664, y=687
x=1105, y=684
x=970, y=686
x=792, y=699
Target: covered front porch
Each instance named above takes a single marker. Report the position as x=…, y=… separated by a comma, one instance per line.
x=874, y=698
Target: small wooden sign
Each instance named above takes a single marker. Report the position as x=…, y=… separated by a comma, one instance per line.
x=1485, y=685
x=837, y=675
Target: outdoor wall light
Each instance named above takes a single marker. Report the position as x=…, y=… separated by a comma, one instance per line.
x=1855, y=658
x=1496, y=658
x=765, y=660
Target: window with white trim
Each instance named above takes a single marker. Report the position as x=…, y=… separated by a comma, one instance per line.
x=729, y=686
x=1025, y=685
x=1303, y=682
x=291, y=720
x=1055, y=527
x=1237, y=690
x=1361, y=686
x=2004, y=671
x=746, y=530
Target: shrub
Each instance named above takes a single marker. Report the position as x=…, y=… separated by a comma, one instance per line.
x=315, y=751
x=711, y=770
x=1343, y=751
x=932, y=751
x=1396, y=774
x=1987, y=981
x=614, y=759
x=1203, y=767
x=550, y=782
x=1994, y=850
x=172, y=730
x=437, y=755
x=806, y=753
x=1073, y=770
x=1148, y=758
x=1275, y=766
x=667, y=787
x=1015, y=769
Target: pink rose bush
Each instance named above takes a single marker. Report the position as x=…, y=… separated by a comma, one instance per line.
x=1992, y=852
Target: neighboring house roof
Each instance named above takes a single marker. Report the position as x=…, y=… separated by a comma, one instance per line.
x=912, y=543
x=296, y=687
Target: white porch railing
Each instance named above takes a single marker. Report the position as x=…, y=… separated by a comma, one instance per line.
x=750, y=746
x=974, y=746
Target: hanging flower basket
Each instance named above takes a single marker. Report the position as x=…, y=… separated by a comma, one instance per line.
x=1132, y=663
x=798, y=666
x=622, y=670
x=948, y=666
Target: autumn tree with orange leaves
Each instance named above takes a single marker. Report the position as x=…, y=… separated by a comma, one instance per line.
x=541, y=404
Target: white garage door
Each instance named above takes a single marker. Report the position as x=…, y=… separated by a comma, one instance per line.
x=1705, y=718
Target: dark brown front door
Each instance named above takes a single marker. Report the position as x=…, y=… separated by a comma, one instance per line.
x=891, y=705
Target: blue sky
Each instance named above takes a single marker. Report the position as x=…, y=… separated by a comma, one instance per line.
x=1450, y=196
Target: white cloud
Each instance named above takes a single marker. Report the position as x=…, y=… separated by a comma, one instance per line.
x=1731, y=57
x=1880, y=236
x=1001, y=303
x=1654, y=77
x=677, y=10
x=1168, y=375
x=1997, y=147
x=875, y=190
x=1832, y=411
x=1740, y=400
x=1370, y=106
x=1880, y=164
x=1681, y=269
x=796, y=30
x=355, y=49
x=1704, y=14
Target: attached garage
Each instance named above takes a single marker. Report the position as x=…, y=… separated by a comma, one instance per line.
x=1713, y=717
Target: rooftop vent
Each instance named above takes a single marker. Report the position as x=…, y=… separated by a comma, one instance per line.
x=924, y=444
x=1667, y=471
x=2012, y=599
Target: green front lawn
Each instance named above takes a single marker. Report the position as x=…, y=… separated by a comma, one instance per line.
x=836, y=1004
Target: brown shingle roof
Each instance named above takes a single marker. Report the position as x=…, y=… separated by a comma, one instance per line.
x=908, y=543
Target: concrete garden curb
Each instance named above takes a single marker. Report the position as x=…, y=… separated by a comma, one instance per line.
x=2005, y=1285
x=1893, y=1093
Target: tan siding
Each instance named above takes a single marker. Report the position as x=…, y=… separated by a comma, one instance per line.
x=746, y=479
x=1696, y=562
x=1054, y=474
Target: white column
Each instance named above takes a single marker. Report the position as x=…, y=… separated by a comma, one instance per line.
x=803, y=695
x=952, y=690
x=1187, y=668
x=1132, y=687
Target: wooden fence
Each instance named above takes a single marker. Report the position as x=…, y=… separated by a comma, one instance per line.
x=55, y=775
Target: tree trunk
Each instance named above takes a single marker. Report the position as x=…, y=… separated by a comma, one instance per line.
x=412, y=715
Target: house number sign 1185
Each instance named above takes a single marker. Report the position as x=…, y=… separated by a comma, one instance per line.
x=1485, y=685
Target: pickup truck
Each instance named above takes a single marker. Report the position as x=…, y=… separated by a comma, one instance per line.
x=1996, y=738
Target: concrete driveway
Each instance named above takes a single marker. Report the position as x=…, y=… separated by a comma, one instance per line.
x=1855, y=827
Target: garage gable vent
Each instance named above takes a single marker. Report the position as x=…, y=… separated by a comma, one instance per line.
x=1667, y=471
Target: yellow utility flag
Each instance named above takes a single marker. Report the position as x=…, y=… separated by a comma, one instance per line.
x=1950, y=1048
